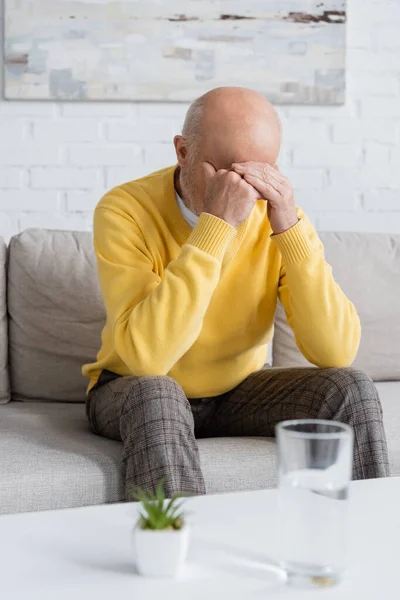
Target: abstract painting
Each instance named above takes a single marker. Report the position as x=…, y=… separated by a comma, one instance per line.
x=292, y=51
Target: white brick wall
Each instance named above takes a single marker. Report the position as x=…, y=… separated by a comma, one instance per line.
x=56, y=160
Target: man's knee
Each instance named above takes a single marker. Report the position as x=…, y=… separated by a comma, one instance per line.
x=155, y=397
x=355, y=381
x=356, y=388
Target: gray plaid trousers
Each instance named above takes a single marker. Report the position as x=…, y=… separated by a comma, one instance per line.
x=158, y=425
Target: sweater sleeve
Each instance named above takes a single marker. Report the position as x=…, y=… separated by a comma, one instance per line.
x=325, y=323
x=156, y=320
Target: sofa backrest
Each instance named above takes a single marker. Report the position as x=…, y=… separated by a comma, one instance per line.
x=56, y=314
x=4, y=379
x=367, y=267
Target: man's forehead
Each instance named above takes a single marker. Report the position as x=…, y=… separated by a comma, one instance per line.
x=222, y=153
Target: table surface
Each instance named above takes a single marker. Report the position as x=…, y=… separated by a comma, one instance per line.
x=86, y=553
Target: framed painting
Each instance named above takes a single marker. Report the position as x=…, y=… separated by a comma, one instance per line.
x=292, y=51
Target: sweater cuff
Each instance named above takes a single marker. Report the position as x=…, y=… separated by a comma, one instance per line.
x=293, y=243
x=212, y=235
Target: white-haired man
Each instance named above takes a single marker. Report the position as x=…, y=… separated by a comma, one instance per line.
x=192, y=260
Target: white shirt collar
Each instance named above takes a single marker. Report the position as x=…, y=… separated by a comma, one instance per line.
x=190, y=217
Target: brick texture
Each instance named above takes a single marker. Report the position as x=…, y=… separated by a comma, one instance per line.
x=58, y=159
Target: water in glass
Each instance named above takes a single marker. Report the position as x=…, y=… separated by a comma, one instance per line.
x=314, y=474
x=313, y=511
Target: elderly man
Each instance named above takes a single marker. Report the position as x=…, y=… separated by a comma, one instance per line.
x=192, y=260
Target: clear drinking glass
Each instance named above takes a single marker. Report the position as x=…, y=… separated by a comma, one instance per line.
x=314, y=472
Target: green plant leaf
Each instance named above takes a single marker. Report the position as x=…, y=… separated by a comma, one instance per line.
x=160, y=494
x=174, y=510
x=170, y=505
x=157, y=513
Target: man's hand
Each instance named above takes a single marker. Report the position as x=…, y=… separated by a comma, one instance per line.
x=275, y=188
x=228, y=196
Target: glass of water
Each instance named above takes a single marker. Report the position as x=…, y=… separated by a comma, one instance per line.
x=314, y=471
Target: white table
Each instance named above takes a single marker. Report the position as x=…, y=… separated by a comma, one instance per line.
x=85, y=553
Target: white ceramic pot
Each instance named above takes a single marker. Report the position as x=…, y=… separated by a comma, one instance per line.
x=160, y=553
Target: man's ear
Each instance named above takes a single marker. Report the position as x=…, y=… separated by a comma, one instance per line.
x=181, y=150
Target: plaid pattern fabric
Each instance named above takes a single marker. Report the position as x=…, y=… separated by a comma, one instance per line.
x=159, y=425
x=152, y=416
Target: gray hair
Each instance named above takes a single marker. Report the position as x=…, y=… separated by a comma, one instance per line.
x=193, y=125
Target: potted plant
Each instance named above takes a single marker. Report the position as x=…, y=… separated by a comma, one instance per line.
x=161, y=535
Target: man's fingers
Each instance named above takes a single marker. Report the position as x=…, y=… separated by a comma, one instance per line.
x=240, y=167
x=243, y=168
x=262, y=170
x=267, y=190
x=209, y=170
x=266, y=178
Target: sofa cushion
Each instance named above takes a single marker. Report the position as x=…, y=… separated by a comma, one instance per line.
x=4, y=379
x=367, y=267
x=49, y=459
x=56, y=314
x=389, y=393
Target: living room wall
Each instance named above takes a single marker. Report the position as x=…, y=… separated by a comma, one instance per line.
x=57, y=159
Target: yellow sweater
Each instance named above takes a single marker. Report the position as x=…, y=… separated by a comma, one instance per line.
x=199, y=304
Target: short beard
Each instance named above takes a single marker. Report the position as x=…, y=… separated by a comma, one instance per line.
x=188, y=188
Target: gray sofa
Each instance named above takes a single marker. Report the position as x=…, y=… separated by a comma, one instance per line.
x=51, y=316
